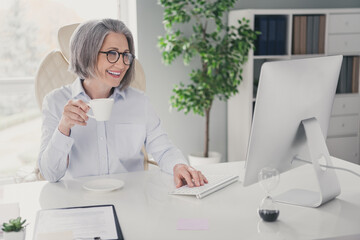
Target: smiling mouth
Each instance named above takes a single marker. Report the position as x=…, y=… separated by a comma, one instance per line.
x=114, y=74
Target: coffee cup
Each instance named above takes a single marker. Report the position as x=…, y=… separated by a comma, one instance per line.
x=101, y=108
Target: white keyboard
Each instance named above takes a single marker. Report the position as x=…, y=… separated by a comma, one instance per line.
x=216, y=182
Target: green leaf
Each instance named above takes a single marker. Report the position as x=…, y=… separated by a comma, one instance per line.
x=14, y=225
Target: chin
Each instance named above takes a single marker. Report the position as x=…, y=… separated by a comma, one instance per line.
x=113, y=83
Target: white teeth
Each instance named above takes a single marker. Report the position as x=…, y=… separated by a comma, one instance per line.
x=114, y=73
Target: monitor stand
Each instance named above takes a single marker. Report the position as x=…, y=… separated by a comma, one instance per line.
x=328, y=183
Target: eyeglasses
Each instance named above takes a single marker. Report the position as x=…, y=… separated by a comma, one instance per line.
x=113, y=56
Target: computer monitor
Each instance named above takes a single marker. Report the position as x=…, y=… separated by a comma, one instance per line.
x=291, y=119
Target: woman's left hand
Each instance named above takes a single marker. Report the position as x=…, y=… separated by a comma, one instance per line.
x=184, y=174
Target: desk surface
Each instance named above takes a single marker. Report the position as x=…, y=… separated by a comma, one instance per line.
x=146, y=210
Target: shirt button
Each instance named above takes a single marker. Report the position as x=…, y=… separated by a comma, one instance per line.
x=101, y=138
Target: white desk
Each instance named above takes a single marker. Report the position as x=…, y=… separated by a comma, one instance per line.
x=146, y=211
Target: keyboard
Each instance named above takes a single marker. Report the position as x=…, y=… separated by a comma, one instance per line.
x=216, y=182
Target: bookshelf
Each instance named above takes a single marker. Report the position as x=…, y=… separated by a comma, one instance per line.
x=294, y=34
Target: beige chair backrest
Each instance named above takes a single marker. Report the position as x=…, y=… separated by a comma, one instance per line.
x=64, y=36
x=53, y=73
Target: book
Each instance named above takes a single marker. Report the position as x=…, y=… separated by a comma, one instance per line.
x=257, y=28
x=303, y=34
x=315, y=34
x=342, y=77
x=321, y=47
x=271, y=41
x=261, y=25
x=349, y=68
x=281, y=35
x=309, y=34
x=355, y=74
x=296, y=35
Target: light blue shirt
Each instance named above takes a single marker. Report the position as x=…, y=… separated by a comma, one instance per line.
x=102, y=148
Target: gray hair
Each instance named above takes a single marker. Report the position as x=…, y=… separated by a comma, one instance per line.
x=86, y=43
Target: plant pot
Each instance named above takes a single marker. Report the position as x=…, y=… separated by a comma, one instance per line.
x=196, y=159
x=15, y=235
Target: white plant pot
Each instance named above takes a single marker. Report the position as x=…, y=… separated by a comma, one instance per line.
x=15, y=235
x=196, y=159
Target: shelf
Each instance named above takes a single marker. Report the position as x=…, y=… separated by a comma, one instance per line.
x=275, y=57
x=339, y=34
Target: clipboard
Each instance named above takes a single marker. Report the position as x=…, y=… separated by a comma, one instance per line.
x=51, y=223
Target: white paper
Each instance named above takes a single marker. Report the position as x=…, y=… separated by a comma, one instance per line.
x=88, y=222
x=68, y=235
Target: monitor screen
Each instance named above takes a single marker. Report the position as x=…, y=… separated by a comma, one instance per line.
x=288, y=93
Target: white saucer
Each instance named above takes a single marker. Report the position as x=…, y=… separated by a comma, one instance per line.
x=103, y=185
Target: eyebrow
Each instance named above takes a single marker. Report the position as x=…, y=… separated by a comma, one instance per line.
x=115, y=48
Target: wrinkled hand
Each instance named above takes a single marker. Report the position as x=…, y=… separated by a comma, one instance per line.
x=184, y=174
x=74, y=113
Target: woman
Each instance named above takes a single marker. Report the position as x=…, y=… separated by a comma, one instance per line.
x=102, y=54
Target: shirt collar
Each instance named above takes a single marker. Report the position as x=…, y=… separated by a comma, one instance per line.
x=119, y=93
x=78, y=89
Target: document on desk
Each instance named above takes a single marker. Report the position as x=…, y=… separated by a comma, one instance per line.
x=83, y=222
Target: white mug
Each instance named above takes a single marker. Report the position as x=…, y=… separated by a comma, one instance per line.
x=101, y=108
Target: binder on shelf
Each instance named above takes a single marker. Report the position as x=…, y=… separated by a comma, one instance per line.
x=315, y=34
x=349, y=68
x=87, y=222
x=309, y=34
x=355, y=74
x=271, y=41
x=261, y=24
x=257, y=28
x=341, y=88
x=302, y=34
x=296, y=35
x=281, y=35
x=321, y=34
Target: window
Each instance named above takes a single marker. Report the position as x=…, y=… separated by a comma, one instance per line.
x=28, y=32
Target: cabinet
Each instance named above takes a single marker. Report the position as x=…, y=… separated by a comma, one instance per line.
x=306, y=33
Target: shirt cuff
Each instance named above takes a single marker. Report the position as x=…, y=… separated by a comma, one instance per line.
x=169, y=164
x=61, y=142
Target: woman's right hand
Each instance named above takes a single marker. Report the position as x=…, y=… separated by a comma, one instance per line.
x=74, y=113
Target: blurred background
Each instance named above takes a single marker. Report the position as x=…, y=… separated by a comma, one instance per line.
x=28, y=32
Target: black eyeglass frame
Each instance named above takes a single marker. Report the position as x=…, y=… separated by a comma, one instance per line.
x=119, y=54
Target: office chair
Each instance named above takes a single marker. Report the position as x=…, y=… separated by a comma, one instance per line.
x=53, y=73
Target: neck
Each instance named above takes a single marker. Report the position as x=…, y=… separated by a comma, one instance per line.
x=95, y=89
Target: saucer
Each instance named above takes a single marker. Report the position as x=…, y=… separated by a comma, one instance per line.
x=103, y=185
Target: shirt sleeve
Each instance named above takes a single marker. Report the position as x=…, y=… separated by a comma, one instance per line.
x=55, y=146
x=158, y=144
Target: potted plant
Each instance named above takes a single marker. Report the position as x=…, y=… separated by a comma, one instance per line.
x=222, y=51
x=14, y=229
